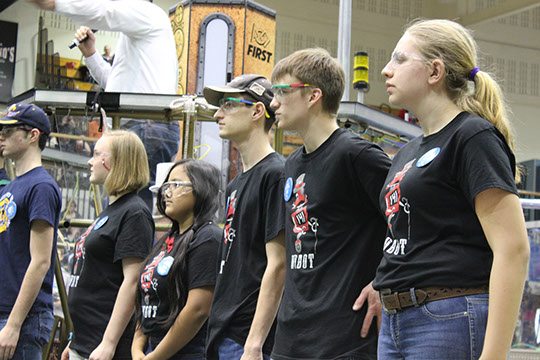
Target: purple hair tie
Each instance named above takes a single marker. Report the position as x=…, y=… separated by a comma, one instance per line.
x=473, y=72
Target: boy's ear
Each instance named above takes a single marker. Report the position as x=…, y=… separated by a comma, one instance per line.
x=34, y=135
x=315, y=95
x=259, y=111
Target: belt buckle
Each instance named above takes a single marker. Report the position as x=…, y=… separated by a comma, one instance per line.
x=385, y=292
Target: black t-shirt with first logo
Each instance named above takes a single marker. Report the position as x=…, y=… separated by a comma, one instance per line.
x=334, y=235
x=434, y=237
x=124, y=229
x=153, y=280
x=254, y=216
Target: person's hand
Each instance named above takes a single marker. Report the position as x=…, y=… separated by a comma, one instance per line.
x=8, y=342
x=374, y=308
x=65, y=353
x=88, y=47
x=104, y=351
x=252, y=354
x=45, y=4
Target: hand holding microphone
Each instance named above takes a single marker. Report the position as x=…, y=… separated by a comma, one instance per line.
x=76, y=42
x=85, y=40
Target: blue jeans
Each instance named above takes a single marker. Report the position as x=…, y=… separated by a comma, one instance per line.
x=35, y=332
x=444, y=329
x=229, y=349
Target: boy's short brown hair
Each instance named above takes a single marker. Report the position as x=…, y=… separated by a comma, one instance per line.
x=318, y=68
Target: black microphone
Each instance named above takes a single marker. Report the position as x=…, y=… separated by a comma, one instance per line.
x=75, y=42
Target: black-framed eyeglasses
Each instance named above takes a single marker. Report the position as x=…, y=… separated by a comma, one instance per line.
x=7, y=131
x=228, y=103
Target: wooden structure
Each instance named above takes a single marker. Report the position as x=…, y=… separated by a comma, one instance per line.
x=250, y=38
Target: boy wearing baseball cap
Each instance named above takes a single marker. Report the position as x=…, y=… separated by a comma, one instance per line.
x=252, y=254
x=29, y=213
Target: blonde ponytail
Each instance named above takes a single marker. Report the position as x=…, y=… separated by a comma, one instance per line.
x=476, y=92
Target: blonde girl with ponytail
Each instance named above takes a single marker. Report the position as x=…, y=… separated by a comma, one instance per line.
x=470, y=88
x=456, y=252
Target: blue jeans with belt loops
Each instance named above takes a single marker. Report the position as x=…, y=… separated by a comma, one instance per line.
x=229, y=349
x=447, y=329
x=35, y=332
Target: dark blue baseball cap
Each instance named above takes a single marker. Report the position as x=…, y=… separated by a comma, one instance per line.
x=29, y=115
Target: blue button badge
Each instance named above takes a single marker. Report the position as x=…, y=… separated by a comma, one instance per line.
x=428, y=157
x=287, y=191
x=165, y=265
x=11, y=210
x=101, y=222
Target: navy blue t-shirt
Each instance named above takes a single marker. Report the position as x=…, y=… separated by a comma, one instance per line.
x=4, y=177
x=31, y=196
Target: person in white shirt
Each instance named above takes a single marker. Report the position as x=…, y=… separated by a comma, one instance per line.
x=145, y=59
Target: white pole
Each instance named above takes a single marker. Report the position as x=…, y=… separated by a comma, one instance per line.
x=344, y=43
x=530, y=203
x=360, y=97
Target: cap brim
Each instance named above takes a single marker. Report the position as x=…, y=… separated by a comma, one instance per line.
x=10, y=121
x=213, y=94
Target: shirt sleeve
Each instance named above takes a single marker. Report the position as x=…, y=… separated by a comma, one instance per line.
x=371, y=166
x=134, y=237
x=274, y=210
x=99, y=68
x=132, y=18
x=201, y=265
x=44, y=204
x=486, y=162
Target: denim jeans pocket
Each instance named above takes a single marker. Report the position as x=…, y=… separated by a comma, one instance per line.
x=447, y=329
x=46, y=322
x=478, y=306
x=446, y=309
x=463, y=320
x=35, y=332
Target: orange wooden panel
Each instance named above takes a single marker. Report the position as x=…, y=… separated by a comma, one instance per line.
x=260, y=43
x=254, y=43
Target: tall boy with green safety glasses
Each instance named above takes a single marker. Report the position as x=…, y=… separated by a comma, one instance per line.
x=252, y=254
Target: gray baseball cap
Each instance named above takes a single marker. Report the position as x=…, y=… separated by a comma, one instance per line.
x=257, y=86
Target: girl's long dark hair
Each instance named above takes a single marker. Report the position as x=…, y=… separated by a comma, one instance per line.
x=205, y=179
